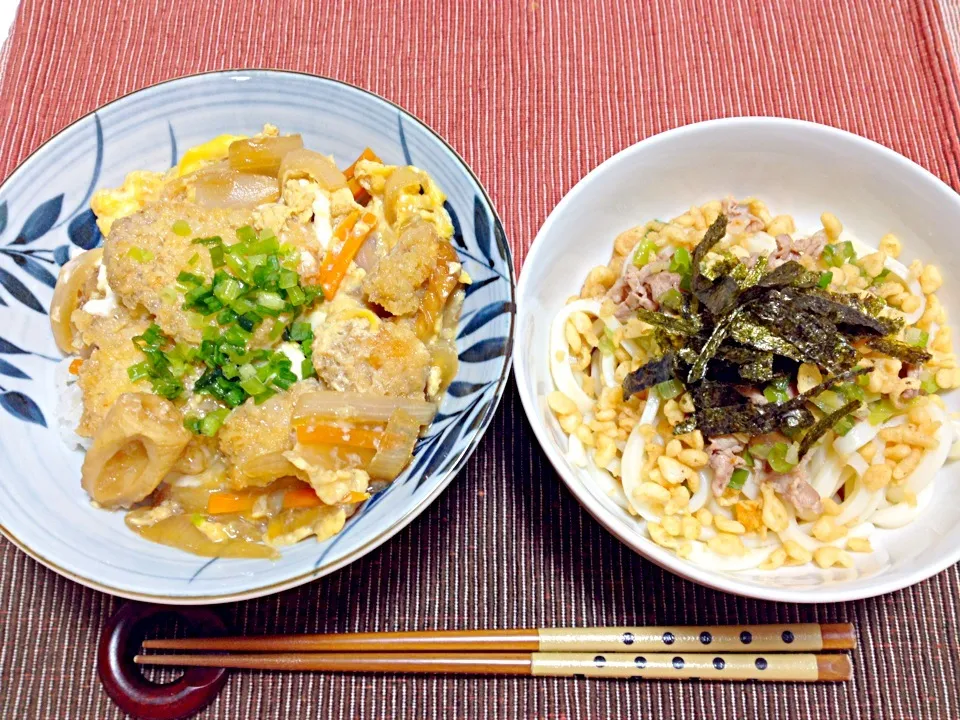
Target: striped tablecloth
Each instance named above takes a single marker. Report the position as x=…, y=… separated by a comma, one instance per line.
x=533, y=94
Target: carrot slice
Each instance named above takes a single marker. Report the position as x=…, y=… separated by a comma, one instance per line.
x=337, y=261
x=221, y=503
x=441, y=283
x=367, y=154
x=360, y=193
x=300, y=498
x=75, y=366
x=335, y=435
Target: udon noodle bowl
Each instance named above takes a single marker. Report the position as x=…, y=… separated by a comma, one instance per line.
x=259, y=342
x=756, y=396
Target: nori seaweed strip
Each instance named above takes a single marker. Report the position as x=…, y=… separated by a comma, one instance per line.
x=752, y=419
x=719, y=297
x=747, y=331
x=755, y=273
x=671, y=323
x=716, y=394
x=814, y=336
x=790, y=274
x=740, y=355
x=653, y=373
x=685, y=426
x=687, y=354
x=758, y=371
x=899, y=350
x=845, y=311
x=724, y=264
x=711, y=237
x=825, y=423
x=845, y=376
x=709, y=348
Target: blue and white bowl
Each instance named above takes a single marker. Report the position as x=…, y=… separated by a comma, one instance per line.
x=45, y=218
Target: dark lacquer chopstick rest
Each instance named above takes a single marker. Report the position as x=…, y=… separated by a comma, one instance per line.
x=123, y=679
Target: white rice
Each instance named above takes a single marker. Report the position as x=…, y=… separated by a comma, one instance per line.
x=69, y=406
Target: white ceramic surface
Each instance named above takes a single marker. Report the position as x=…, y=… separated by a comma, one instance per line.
x=44, y=218
x=798, y=168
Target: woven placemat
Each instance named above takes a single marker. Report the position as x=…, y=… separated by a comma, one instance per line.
x=533, y=94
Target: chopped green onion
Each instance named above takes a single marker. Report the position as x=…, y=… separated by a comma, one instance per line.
x=228, y=290
x=189, y=279
x=192, y=423
x=296, y=296
x=738, y=478
x=776, y=391
x=916, y=337
x=216, y=256
x=783, y=457
x=301, y=331
x=181, y=228
x=825, y=279
x=212, y=421
x=669, y=389
x=672, y=299
x=140, y=255
x=851, y=391
x=253, y=386
x=645, y=250
x=881, y=411
x=927, y=383
x=839, y=254
x=828, y=401
x=277, y=330
x=271, y=300
x=288, y=279
x=844, y=425
x=246, y=234
x=761, y=450
x=747, y=458
x=138, y=371
x=606, y=344
x=681, y=262
x=881, y=278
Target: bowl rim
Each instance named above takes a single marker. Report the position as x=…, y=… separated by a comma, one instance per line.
x=617, y=526
x=415, y=511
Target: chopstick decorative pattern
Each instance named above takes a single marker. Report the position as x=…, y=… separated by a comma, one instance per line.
x=800, y=637
x=794, y=667
x=745, y=652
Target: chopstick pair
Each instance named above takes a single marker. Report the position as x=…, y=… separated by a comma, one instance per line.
x=746, y=652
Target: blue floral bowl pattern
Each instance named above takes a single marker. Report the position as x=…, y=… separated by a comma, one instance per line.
x=45, y=218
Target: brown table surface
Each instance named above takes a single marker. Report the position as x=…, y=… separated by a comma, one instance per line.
x=533, y=94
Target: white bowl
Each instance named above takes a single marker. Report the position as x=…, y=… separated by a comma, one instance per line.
x=798, y=168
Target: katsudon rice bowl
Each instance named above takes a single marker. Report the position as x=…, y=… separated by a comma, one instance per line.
x=262, y=357
x=747, y=372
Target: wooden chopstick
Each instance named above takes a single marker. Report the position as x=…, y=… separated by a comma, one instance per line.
x=794, y=667
x=802, y=637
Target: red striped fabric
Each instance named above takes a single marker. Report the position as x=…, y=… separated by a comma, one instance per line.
x=533, y=94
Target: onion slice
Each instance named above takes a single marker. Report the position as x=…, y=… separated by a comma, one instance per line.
x=262, y=155
x=218, y=187
x=309, y=165
x=359, y=407
x=66, y=296
x=396, y=446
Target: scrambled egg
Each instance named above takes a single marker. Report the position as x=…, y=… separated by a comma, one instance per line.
x=137, y=190
x=143, y=186
x=428, y=204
